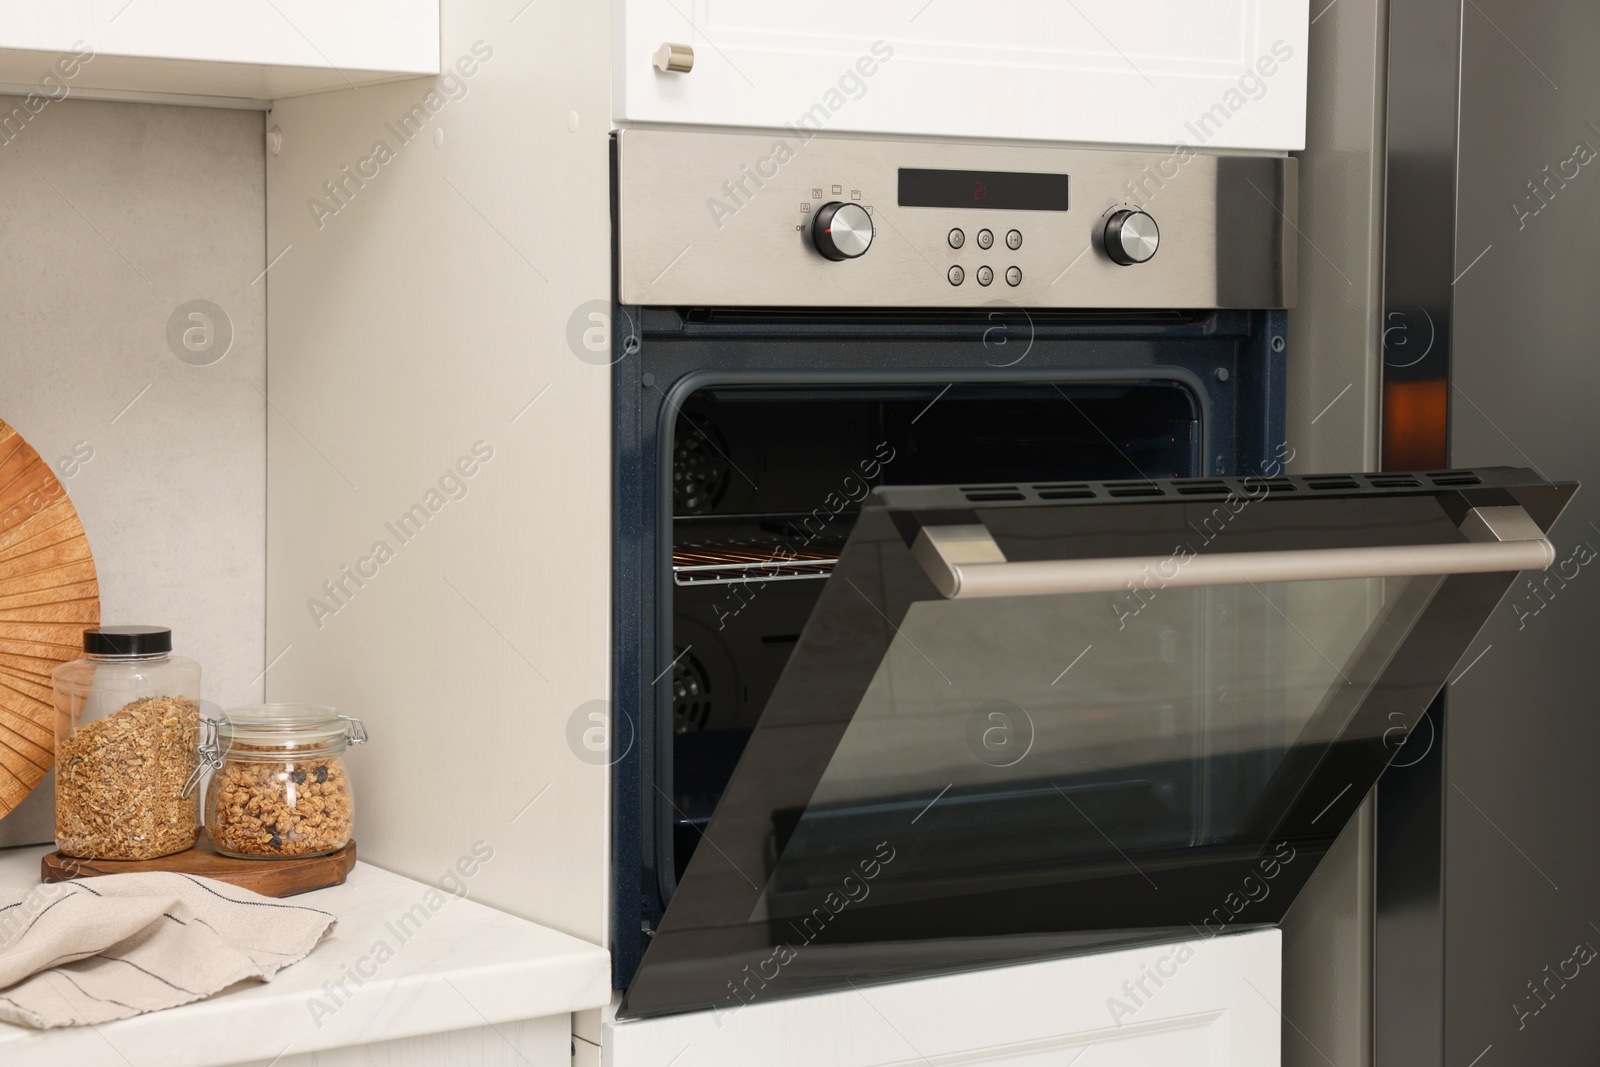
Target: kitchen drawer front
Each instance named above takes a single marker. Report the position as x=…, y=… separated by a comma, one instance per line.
x=1160, y=73
x=1204, y=1003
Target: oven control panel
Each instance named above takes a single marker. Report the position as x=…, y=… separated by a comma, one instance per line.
x=717, y=219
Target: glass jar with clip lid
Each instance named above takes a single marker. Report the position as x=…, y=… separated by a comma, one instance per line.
x=278, y=785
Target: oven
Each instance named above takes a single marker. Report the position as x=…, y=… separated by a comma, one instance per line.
x=965, y=611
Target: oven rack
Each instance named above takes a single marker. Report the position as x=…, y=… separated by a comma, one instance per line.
x=743, y=562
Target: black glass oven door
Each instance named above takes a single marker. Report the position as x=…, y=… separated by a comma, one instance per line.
x=1030, y=720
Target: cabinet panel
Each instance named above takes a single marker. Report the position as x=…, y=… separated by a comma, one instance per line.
x=1223, y=74
x=238, y=52
x=1210, y=1002
x=543, y=1042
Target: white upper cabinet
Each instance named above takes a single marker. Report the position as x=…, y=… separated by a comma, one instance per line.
x=1214, y=73
x=239, y=51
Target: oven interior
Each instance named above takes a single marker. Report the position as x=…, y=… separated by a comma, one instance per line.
x=766, y=483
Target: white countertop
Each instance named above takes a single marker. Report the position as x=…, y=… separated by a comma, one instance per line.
x=466, y=965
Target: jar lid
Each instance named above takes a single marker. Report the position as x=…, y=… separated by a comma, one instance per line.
x=127, y=640
x=287, y=726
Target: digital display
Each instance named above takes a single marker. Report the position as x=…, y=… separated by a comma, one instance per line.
x=1005, y=190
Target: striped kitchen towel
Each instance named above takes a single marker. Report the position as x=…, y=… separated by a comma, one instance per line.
x=96, y=950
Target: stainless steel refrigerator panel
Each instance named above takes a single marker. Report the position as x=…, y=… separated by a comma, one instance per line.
x=1521, y=795
x=1419, y=239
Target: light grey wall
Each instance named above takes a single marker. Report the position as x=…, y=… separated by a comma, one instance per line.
x=112, y=215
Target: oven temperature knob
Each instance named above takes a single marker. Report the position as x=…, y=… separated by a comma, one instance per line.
x=842, y=231
x=1132, y=237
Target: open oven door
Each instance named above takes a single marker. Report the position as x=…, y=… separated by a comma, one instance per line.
x=1024, y=721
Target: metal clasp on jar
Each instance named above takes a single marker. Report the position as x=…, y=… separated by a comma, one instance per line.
x=355, y=730
x=210, y=755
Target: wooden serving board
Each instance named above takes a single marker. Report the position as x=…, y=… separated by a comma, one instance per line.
x=273, y=877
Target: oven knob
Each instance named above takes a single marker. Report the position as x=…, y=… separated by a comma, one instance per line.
x=842, y=231
x=1131, y=237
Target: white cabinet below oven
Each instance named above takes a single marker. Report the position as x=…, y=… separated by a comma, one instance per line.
x=1219, y=74
x=1209, y=1002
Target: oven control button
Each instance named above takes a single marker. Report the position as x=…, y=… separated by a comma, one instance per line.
x=985, y=275
x=957, y=238
x=842, y=231
x=1014, y=239
x=985, y=239
x=1131, y=237
x=957, y=275
x=1013, y=275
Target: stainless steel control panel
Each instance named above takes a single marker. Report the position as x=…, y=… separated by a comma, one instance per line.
x=787, y=220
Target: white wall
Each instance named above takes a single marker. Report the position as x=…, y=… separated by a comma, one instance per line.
x=419, y=318
x=114, y=215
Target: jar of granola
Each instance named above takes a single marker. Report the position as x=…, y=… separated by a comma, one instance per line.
x=127, y=723
x=278, y=785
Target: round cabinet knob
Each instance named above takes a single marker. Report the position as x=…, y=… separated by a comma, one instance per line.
x=842, y=231
x=1132, y=237
x=674, y=58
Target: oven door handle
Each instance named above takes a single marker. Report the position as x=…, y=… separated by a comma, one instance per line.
x=965, y=562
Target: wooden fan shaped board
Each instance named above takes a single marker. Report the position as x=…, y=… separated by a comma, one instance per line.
x=48, y=596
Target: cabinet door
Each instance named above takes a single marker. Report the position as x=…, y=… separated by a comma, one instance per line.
x=1207, y=1002
x=1213, y=73
x=248, y=53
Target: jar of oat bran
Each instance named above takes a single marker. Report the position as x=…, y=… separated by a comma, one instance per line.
x=127, y=723
x=278, y=785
